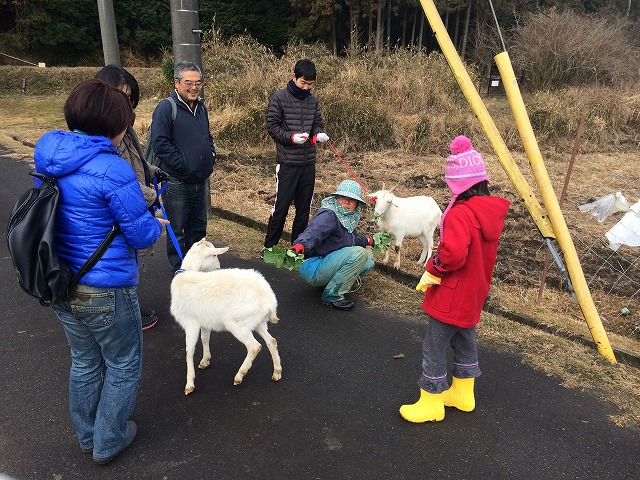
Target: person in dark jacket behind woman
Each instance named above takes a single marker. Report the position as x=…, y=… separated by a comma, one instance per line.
x=101, y=316
x=295, y=123
x=131, y=151
x=335, y=256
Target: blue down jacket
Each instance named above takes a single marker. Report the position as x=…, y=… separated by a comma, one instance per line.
x=98, y=189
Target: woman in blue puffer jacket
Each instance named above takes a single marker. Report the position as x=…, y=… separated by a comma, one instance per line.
x=101, y=316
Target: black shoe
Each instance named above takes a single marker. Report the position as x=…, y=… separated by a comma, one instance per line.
x=149, y=318
x=343, y=304
x=131, y=434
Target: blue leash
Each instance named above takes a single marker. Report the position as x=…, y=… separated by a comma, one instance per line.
x=164, y=214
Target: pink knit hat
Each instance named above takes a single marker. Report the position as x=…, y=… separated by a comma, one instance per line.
x=464, y=169
x=465, y=166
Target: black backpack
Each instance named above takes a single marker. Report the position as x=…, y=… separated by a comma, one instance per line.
x=149, y=155
x=31, y=242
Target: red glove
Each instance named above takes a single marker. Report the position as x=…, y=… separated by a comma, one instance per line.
x=370, y=241
x=298, y=248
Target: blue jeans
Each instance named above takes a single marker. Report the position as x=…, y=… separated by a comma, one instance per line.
x=439, y=337
x=337, y=271
x=104, y=330
x=186, y=207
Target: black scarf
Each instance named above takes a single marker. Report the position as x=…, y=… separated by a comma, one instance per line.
x=297, y=91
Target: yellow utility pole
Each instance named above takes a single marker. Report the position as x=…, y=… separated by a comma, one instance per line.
x=552, y=205
x=519, y=182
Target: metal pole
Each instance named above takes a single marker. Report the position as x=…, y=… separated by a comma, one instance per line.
x=108, y=33
x=186, y=33
x=563, y=197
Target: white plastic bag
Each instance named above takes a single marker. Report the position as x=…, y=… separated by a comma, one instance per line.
x=627, y=230
x=605, y=206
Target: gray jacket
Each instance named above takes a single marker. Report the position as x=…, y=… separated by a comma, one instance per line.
x=287, y=115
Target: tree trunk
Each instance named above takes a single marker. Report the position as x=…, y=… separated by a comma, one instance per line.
x=334, y=35
x=456, y=30
x=421, y=32
x=379, y=29
x=370, y=39
x=404, y=26
x=413, y=27
x=354, y=16
x=388, y=46
x=465, y=32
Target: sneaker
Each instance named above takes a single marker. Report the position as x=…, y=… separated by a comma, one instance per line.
x=149, y=318
x=343, y=304
x=132, y=430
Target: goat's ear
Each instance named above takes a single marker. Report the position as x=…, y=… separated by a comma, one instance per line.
x=219, y=250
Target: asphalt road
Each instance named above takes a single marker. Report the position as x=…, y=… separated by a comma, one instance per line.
x=334, y=414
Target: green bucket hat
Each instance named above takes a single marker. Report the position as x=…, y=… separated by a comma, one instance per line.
x=350, y=189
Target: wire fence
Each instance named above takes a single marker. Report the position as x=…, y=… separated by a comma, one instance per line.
x=613, y=277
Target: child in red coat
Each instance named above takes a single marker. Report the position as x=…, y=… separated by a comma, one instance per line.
x=456, y=282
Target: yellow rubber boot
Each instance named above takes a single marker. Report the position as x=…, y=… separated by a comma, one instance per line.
x=428, y=409
x=460, y=395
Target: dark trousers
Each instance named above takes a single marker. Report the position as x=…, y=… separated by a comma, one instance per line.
x=186, y=206
x=293, y=185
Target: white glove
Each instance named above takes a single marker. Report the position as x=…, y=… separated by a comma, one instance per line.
x=322, y=137
x=299, y=138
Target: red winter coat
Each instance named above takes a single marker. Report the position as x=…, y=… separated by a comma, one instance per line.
x=465, y=259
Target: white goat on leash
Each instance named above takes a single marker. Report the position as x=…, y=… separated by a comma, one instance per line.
x=415, y=217
x=240, y=301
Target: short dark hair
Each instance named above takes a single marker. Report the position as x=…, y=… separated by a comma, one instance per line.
x=305, y=68
x=117, y=76
x=185, y=66
x=96, y=108
x=480, y=189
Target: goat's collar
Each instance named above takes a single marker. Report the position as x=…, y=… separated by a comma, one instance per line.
x=180, y=270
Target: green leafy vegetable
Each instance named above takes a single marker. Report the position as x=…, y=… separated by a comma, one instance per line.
x=281, y=257
x=381, y=241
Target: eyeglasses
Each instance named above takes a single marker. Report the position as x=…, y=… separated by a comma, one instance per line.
x=190, y=83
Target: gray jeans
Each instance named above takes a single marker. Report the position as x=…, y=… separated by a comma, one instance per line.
x=435, y=345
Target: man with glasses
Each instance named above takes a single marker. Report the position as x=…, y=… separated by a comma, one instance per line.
x=186, y=152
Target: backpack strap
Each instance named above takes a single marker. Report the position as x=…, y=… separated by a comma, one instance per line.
x=174, y=109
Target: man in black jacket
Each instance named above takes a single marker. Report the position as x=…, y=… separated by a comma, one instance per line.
x=186, y=151
x=295, y=123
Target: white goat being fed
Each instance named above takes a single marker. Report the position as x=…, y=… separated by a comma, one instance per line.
x=239, y=301
x=415, y=217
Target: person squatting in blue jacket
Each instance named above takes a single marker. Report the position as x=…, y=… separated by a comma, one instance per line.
x=101, y=316
x=335, y=255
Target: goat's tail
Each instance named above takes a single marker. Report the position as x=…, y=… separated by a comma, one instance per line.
x=273, y=317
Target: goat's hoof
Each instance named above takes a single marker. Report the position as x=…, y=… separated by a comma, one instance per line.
x=237, y=380
x=188, y=390
x=202, y=365
x=276, y=376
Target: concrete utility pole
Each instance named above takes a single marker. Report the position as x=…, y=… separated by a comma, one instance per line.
x=186, y=33
x=108, y=33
